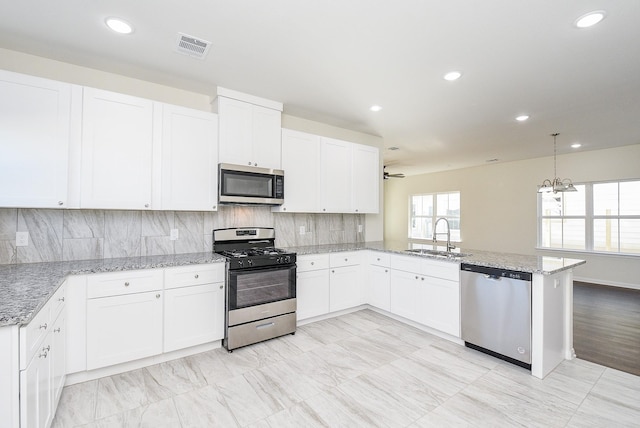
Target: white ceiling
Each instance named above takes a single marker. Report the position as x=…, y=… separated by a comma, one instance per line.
x=330, y=60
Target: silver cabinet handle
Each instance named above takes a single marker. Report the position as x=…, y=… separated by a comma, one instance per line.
x=221, y=287
x=312, y=263
x=43, y=355
x=146, y=205
x=61, y=299
x=46, y=348
x=43, y=326
x=333, y=271
x=197, y=276
x=126, y=284
x=214, y=207
x=416, y=276
x=249, y=163
x=346, y=259
x=57, y=330
x=270, y=324
x=385, y=271
x=60, y=203
x=356, y=210
x=422, y=278
x=158, y=296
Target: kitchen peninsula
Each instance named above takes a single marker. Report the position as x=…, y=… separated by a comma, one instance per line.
x=28, y=289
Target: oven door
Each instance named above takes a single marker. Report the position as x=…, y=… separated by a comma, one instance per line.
x=252, y=287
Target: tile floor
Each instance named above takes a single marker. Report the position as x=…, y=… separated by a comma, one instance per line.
x=358, y=370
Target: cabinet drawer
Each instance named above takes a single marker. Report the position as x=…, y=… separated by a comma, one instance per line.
x=116, y=284
x=312, y=262
x=345, y=259
x=185, y=276
x=32, y=335
x=378, y=259
x=406, y=263
x=439, y=269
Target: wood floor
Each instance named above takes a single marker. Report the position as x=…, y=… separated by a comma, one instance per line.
x=606, y=326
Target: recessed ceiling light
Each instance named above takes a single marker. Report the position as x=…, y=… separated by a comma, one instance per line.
x=576, y=145
x=590, y=19
x=522, y=118
x=119, y=25
x=375, y=108
x=392, y=148
x=452, y=75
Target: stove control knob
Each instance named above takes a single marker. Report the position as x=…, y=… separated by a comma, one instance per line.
x=249, y=262
x=287, y=259
x=240, y=262
x=279, y=260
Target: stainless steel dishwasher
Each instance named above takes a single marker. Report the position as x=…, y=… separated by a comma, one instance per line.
x=496, y=312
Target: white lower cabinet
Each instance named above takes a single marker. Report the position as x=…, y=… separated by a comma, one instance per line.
x=123, y=328
x=345, y=281
x=43, y=371
x=193, y=315
x=404, y=294
x=378, y=287
x=439, y=301
x=312, y=286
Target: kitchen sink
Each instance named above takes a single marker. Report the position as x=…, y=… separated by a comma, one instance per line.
x=437, y=253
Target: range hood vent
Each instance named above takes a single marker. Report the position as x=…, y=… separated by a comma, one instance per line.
x=192, y=46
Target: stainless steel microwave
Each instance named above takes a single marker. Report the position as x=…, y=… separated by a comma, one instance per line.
x=239, y=184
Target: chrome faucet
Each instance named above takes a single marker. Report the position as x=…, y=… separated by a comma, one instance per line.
x=435, y=234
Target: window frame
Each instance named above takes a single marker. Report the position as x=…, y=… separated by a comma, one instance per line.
x=434, y=216
x=589, y=218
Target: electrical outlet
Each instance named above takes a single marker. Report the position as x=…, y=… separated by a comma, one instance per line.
x=302, y=230
x=359, y=228
x=174, y=234
x=22, y=239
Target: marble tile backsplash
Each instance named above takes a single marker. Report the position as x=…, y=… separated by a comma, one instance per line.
x=62, y=235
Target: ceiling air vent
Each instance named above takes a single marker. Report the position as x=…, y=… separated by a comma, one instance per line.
x=192, y=46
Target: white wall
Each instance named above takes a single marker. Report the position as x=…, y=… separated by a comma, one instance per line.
x=56, y=70
x=499, y=203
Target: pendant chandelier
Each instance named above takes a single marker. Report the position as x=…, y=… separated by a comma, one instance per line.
x=557, y=184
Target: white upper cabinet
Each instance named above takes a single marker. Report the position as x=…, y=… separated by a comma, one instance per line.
x=35, y=129
x=335, y=176
x=189, y=159
x=301, y=164
x=365, y=174
x=117, y=151
x=250, y=129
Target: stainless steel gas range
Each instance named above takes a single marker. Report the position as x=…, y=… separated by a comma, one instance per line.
x=261, y=286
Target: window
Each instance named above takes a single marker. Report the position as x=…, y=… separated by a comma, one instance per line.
x=599, y=217
x=426, y=209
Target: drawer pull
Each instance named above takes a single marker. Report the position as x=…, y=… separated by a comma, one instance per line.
x=57, y=330
x=197, y=276
x=126, y=284
x=346, y=259
x=43, y=355
x=267, y=325
x=46, y=348
x=221, y=287
x=43, y=326
x=312, y=263
x=61, y=299
x=158, y=296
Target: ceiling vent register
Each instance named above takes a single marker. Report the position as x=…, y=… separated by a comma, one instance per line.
x=192, y=46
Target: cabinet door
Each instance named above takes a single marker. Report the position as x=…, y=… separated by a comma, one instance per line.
x=123, y=328
x=301, y=163
x=34, y=135
x=312, y=293
x=189, y=159
x=366, y=176
x=404, y=294
x=58, y=358
x=236, y=134
x=267, y=129
x=35, y=390
x=193, y=316
x=335, y=176
x=378, y=289
x=439, y=301
x=117, y=150
x=345, y=288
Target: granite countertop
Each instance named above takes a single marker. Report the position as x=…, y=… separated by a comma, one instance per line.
x=544, y=265
x=25, y=288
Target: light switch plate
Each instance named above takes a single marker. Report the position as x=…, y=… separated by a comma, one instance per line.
x=22, y=239
x=359, y=228
x=174, y=234
x=303, y=230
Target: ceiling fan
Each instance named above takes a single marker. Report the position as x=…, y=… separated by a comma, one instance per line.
x=386, y=175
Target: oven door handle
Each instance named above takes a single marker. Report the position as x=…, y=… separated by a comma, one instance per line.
x=267, y=325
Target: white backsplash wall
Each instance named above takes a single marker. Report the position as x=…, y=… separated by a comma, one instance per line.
x=62, y=235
